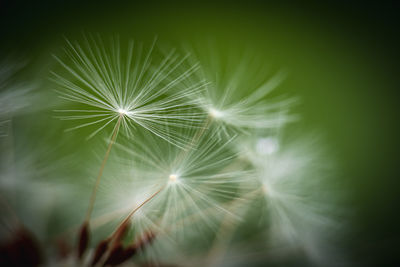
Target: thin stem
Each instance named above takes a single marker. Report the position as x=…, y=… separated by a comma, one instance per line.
x=127, y=218
x=226, y=232
x=113, y=238
x=96, y=185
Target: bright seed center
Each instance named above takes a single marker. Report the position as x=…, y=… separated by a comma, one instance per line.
x=122, y=111
x=215, y=113
x=173, y=178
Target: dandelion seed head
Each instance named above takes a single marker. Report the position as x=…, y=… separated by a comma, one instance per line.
x=197, y=180
x=243, y=99
x=107, y=81
x=297, y=200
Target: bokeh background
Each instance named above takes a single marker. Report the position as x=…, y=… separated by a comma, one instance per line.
x=342, y=59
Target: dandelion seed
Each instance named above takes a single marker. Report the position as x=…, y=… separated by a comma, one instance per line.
x=83, y=241
x=194, y=180
x=290, y=180
x=108, y=81
x=235, y=98
x=127, y=90
x=99, y=251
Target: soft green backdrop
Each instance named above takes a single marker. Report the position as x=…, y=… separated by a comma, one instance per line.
x=341, y=60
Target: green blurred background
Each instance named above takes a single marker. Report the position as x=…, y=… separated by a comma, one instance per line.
x=342, y=59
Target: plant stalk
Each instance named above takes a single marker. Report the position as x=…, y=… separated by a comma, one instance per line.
x=96, y=185
x=128, y=217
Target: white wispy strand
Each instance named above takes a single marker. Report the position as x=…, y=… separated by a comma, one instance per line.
x=292, y=180
x=112, y=82
x=223, y=99
x=196, y=181
x=16, y=97
x=28, y=185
